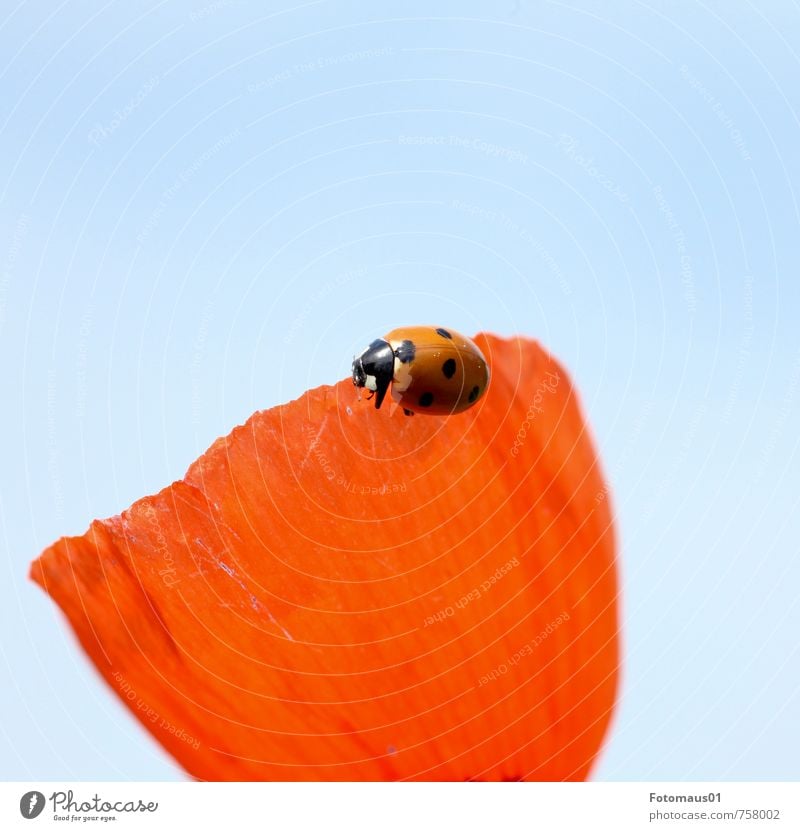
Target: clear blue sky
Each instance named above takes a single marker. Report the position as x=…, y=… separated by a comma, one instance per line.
x=207, y=208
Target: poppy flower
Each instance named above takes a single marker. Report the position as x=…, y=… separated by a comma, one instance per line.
x=335, y=592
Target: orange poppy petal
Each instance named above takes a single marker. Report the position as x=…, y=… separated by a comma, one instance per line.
x=335, y=592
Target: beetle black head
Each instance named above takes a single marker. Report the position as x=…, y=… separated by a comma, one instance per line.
x=374, y=369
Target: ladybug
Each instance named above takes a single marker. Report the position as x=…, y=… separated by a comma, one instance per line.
x=431, y=370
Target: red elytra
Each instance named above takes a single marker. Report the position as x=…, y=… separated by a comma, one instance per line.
x=338, y=593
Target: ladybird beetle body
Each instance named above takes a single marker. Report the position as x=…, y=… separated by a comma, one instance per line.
x=429, y=369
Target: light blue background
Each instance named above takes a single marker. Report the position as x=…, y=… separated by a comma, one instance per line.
x=270, y=187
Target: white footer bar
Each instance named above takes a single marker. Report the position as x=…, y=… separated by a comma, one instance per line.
x=511, y=806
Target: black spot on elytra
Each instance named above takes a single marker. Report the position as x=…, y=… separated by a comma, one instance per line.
x=406, y=351
x=426, y=399
x=444, y=333
x=474, y=393
x=449, y=368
